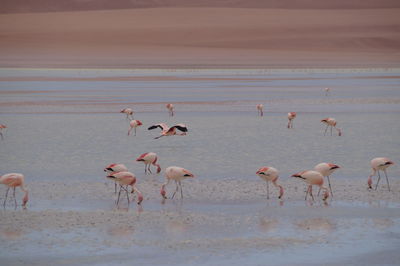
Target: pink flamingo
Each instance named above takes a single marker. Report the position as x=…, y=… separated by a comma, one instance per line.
x=313, y=178
x=170, y=108
x=169, y=131
x=2, y=126
x=177, y=174
x=115, y=168
x=14, y=180
x=126, y=179
x=260, y=109
x=291, y=116
x=133, y=124
x=149, y=158
x=331, y=122
x=326, y=169
x=128, y=112
x=270, y=174
x=377, y=164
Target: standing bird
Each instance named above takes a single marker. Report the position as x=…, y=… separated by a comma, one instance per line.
x=326, y=169
x=377, y=164
x=331, y=122
x=260, y=109
x=327, y=91
x=1, y=129
x=270, y=174
x=169, y=131
x=177, y=174
x=170, y=108
x=115, y=168
x=126, y=179
x=128, y=112
x=291, y=116
x=313, y=178
x=133, y=124
x=14, y=180
x=149, y=158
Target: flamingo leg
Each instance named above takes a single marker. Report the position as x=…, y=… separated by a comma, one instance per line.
x=330, y=188
x=135, y=131
x=145, y=168
x=176, y=189
x=115, y=188
x=267, y=189
x=119, y=194
x=180, y=185
x=15, y=200
x=127, y=195
x=5, y=199
x=319, y=190
x=308, y=189
x=1, y=134
x=326, y=129
x=311, y=193
x=379, y=178
x=149, y=168
x=387, y=179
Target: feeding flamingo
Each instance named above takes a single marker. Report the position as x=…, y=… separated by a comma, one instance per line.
x=270, y=174
x=133, y=124
x=313, y=178
x=378, y=164
x=126, y=179
x=169, y=131
x=128, y=112
x=331, y=122
x=260, y=109
x=115, y=168
x=149, y=158
x=13, y=180
x=170, y=108
x=326, y=169
x=2, y=126
x=177, y=174
x=291, y=116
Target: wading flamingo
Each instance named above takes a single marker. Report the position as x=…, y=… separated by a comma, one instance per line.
x=260, y=109
x=170, y=108
x=169, y=131
x=327, y=91
x=1, y=129
x=313, y=178
x=115, y=168
x=326, y=169
x=291, y=116
x=133, y=124
x=331, y=122
x=177, y=174
x=14, y=180
x=126, y=179
x=128, y=112
x=377, y=164
x=270, y=174
x=149, y=158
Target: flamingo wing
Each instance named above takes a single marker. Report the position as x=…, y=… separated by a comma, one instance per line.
x=162, y=126
x=181, y=127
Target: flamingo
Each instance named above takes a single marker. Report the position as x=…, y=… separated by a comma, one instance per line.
x=2, y=126
x=291, y=116
x=327, y=91
x=169, y=131
x=129, y=113
x=133, y=125
x=313, y=178
x=149, y=158
x=170, y=108
x=326, y=169
x=270, y=174
x=377, y=164
x=260, y=109
x=13, y=180
x=331, y=122
x=126, y=179
x=177, y=174
x=115, y=168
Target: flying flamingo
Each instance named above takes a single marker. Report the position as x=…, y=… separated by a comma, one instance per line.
x=291, y=116
x=149, y=158
x=126, y=179
x=133, y=125
x=1, y=129
x=260, y=109
x=177, y=174
x=270, y=174
x=170, y=108
x=115, y=168
x=326, y=169
x=377, y=164
x=128, y=112
x=327, y=91
x=14, y=180
x=313, y=178
x=169, y=131
x=331, y=122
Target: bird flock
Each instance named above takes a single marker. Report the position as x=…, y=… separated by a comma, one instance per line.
x=120, y=175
